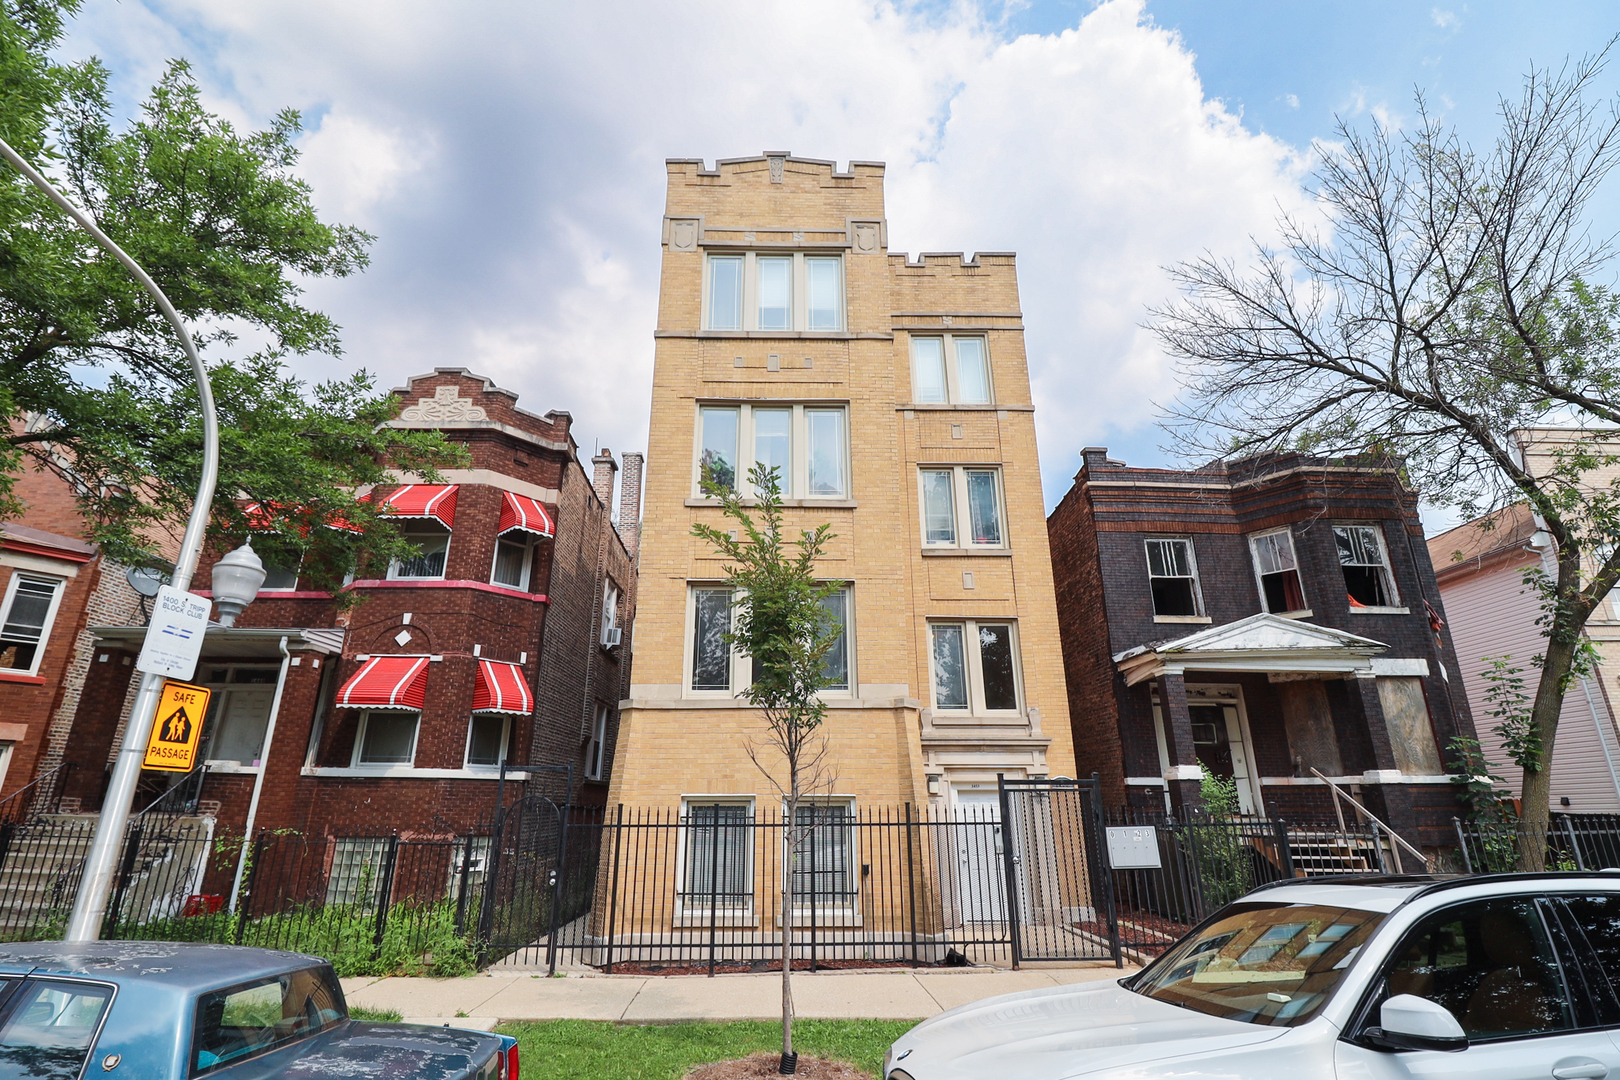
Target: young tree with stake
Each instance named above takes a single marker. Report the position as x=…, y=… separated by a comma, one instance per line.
x=780, y=620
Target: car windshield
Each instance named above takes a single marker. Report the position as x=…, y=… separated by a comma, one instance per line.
x=250, y=1018
x=1261, y=963
x=48, y=1027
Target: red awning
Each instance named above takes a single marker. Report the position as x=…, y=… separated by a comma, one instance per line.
x=502, y=689
x=261, y=516
x=522, y=512
x=424, y=501
x=386, y=682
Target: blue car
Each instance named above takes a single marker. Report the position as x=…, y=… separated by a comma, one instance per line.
x=159, y=1010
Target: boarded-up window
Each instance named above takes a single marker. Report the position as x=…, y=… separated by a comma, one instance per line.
x=1411, y=736
x=1312, y=741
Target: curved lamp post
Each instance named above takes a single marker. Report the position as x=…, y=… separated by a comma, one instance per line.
x=90, y=905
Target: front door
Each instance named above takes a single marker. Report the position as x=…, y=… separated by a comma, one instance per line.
x=981, y=879
x=241, y=714
x=1218, y=740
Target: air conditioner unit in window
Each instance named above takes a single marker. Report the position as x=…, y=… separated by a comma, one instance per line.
x=610, y=636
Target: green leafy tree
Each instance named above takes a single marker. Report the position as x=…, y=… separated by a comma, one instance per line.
x=93, y=383
x=780, y=619
x=1442, y=305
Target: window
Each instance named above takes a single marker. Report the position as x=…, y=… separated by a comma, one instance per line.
x=513, y=558
x=711, y=655
x=471, y=857
x=1274, y=565
x=386, y=738
x=961, y=507
x=49, y=1031
x=433, y=543
x=1490, y=964
x=355, y=878
x=1367, y=579
x=487, y=735
x=279, y=578
x=596, y=752
x=808, y=445
x=610, y=613
x=246, y=1021
x=25, y=621
x=950, y=370
x=718, y=857
x=836, y=669
x=775, y=292
x=1173, y=577
x=975, y=666
x=824, y=865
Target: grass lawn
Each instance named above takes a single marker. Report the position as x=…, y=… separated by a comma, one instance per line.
x=597, y=1050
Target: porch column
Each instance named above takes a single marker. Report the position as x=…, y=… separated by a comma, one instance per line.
x=1185, y=794
x=1397, y=809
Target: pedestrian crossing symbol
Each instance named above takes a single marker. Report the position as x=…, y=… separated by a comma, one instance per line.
x=177, y=730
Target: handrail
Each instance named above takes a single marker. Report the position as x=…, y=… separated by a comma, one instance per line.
x=1368, y=815
x=176, y=786
x=34, y=783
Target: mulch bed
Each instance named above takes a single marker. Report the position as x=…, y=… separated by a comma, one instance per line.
x=756, y=967
x=761, y=1066
x=1141, y=931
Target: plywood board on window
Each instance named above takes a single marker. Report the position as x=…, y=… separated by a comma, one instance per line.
x=1313, y=743
x=992, y=579
x=979, y=431
x=1411, y=735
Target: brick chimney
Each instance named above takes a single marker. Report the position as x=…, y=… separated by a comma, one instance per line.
x=630, y=504
x=602, y=481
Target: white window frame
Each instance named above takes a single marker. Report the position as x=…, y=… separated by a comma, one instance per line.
x=466, y=753
x=686, y=910
x=1259, y=582
x=383, y=766
x=59, y=587
x=961, y=516
x=396, y=568
x=973, y=663
x=596, y=749
x=739, y=669
x=610, y=609
x=526, y=541
x=1198, y=611
x=796, y=482
x=953, y=382
x=841, y=912
x=1386, y=572
x=296, y=570
x=799, y=322
x=847, y=590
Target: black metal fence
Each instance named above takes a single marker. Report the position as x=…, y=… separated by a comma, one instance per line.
x=1572, y=842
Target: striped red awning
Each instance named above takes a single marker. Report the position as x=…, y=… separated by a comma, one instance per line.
x=502, y=689
x=262, y=516
x=522, y=512
x=424, y=501
x=386, y=682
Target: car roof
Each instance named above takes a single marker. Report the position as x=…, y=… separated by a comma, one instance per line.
x=181, y=965
x=1386, y=892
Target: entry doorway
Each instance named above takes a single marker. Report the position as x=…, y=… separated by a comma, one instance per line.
x=981, y=882
x=1221, y=740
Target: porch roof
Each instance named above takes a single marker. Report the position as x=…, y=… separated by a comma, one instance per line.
x=239, y=642
x=1267, y=643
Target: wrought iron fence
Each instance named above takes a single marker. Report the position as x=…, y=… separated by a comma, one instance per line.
x=42, y=795
x=1571, y=842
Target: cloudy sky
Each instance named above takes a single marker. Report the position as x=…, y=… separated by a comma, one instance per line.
x=508, y=155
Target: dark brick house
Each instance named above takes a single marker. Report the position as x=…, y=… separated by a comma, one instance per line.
x=1257, y=619
x=507, y=639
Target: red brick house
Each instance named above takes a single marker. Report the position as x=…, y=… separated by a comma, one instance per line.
x=1257, y=619
x=506, y=640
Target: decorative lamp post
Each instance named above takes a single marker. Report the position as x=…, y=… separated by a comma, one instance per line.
x=237, y=578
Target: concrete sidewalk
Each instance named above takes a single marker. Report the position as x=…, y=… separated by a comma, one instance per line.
x=484, y=1000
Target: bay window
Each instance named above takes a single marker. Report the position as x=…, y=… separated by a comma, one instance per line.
x=487, y=735
x=1368, y=582
x=433, y=545
x=386, y=738
x=1277, y=572
x=514, y=554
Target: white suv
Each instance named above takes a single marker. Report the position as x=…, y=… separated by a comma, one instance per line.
x=1507, y=977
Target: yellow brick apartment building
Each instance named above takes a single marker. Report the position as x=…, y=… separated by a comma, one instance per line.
x=894, y=397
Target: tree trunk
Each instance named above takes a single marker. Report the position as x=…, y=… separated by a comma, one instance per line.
x=1536, y=790
x=790, y=832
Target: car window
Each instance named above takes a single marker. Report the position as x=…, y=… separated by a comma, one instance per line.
x=1261, y=963
x=1592, y=924
x=251, y=1018
x=1489, y=963
x=49, y=1027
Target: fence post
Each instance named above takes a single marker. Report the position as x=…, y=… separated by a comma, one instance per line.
x=461, y=890
x=1378, y=846
x=613, y=889
x=1285, y=851
x=714, y=883
x=1010, y=871
x=247, y=886
x=385, y=891
x=132, y=847
x=1574, y=844
x=559, y=881
x=911, y=886
x=1098, y=843
x=811, y=839
x=492, y=882
x=1462, y=845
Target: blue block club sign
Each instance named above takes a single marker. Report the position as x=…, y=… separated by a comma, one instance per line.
x=178, y=728
x=174, y=639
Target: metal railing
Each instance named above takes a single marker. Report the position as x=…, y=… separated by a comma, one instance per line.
x=42, y=795
x=1367, y=816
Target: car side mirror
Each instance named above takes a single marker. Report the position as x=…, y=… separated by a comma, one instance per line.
x=1408, y=1022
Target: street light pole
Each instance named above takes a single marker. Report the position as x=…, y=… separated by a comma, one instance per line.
x=90, y=905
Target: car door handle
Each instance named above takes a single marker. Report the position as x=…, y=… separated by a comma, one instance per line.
x=1580, y=1069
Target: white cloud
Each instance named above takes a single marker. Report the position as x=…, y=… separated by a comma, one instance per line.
x=509, y=158
x=1445, y=20
x=1292, y=99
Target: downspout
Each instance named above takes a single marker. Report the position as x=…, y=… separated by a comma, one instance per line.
x=258, y=781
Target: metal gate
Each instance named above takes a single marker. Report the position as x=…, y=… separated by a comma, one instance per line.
x=525, y=868
x=1060, y=898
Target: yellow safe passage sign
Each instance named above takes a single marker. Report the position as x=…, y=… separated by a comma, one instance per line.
x=178, y=729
